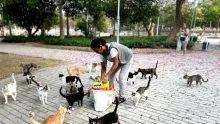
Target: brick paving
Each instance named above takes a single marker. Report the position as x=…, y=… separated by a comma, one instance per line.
x=169, y=100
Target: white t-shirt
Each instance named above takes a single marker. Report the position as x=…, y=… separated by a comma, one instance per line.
x=112, y=54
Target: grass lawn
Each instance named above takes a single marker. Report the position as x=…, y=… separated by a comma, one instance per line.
x=10, y=63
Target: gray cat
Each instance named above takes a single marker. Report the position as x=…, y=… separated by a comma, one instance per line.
x=198, y=78
x=141, y=92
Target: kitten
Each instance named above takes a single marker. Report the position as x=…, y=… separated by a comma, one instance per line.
x=42, y=91
x=27, y=68
x=198, y=78
x=140, y=93
x=92, y=66
x=132, y=76
x=73, y=98
x=109, y=118
x=10, y=89
x=151, y=71
x=70, y=82
x=74, y=71
x=57, y=118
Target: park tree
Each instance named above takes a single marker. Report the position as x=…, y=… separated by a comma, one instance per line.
x=103, y=23
x=112, y=10
x=73, y=9
x=178, y=20
x=96, y=9
x=29, y=13
x=141, y=11
x=211, y=12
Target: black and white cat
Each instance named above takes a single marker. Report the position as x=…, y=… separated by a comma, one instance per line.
x=73, y=98
x=42, y=91
x=109, y=118
x=132, y=77
x=140, y=93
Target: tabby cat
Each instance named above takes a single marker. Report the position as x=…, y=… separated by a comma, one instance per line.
x=151, y=71
x=198, y=78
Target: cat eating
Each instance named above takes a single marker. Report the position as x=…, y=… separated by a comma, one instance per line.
x=198, y=78
x=10, y=89
x=70, y=82
x=92, y=66
x=42, y=91
x=57, y=118
x=109, y=118
x=141, y=93
x=71, y=98
x=132, y=77
x=151, y=71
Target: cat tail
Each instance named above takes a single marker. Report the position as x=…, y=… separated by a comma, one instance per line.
x=31, y=115
x=204, y=80
x=32, y=78
x=13, y=77
x=148, y=85
x=117, y=102
x=156, y=65
x=62, y=93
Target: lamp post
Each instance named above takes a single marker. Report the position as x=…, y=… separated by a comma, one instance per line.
x=118, y=20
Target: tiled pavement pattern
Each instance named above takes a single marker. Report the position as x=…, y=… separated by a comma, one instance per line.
x=169, y=100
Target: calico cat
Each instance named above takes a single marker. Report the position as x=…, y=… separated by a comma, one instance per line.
x=27, y=68
x=92, y=66
x=73, y=98
x=141, y=92
x=109, y=118
x=10, y=89
x=57, y=118
x=198, y=78
x=151, y=71
x=74, y=71
x=132, y=76
x=70, y=82
x=42, y=91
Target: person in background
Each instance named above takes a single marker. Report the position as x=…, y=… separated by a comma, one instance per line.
x=183, y=39
x=121, y=57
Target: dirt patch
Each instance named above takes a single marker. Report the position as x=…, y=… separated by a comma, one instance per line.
x=10, y=63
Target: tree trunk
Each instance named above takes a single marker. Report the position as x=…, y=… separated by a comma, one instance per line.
x=138, y=30
x=67, y=24
x=178, y=21
x=9, y=26
x=29, y=30
x=152, y=29
x=113, y=27
x=61, y=20
x=216, y=32
x=42, y=28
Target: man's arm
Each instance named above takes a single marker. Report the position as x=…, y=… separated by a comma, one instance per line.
x=103, y=69
x=114, y=66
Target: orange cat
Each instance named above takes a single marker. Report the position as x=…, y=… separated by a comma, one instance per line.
x=52, y=119
x=74, y=71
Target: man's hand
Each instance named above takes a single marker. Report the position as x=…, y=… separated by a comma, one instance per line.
x=104, y=79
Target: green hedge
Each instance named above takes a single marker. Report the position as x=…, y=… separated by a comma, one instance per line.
x=131, y=42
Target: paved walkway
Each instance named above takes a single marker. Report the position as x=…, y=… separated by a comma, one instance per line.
x=169, y=100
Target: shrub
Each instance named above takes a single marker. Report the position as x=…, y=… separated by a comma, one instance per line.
x=131, y=42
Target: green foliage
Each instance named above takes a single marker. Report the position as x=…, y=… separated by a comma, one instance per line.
x=103, y=24
x=131, y=42
x=29, y=13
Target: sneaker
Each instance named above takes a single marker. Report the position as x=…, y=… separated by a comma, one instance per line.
x=121, y=100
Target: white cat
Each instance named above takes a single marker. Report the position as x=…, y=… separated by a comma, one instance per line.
x=141, y=93
x=10, y=89
x=93, y=66
x=42, y=92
